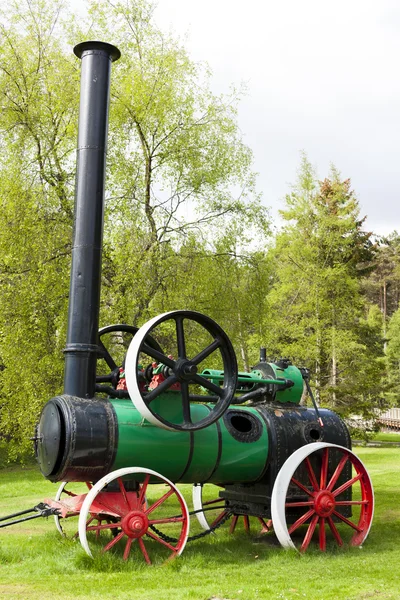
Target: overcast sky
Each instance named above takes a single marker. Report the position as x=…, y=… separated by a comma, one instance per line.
x=323, y=76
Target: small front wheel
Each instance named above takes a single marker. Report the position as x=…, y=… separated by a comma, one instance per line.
x=150, y=520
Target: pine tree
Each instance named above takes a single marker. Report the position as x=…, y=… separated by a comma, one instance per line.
x=320, y=314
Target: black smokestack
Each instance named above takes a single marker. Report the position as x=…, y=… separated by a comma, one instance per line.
x=84, y=299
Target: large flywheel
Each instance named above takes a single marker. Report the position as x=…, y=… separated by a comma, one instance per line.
x=180, y=371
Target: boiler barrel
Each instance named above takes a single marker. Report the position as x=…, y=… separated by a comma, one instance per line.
x=83, y=439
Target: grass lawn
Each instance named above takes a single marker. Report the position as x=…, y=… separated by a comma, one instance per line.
x=37, y=563
x=387, y=437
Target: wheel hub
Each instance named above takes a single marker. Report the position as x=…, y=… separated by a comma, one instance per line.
x=185, y=369
x=324, y=503
x=135, y=524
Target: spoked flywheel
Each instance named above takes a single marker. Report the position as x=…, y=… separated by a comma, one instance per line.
x=180, y=371
x=322, y=491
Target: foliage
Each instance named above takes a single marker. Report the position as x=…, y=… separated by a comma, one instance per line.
x=37, y=133
x=319, y=313
x=180, y=184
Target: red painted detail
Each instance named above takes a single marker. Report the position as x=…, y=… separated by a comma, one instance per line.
x=121, y=385
x=129, y=516
x=69, y=506
x=324, y=503
x=266, y=526
x=159, y=377
x=233, y=524
x=321, y=505
x=135, y=524
x=246, y=523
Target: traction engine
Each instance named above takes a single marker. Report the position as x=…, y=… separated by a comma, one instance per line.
x=159, y=415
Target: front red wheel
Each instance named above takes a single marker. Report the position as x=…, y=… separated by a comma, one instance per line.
x=134, y=517
x=322, y=494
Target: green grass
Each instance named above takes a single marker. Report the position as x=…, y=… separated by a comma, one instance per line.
x=386, y=437
x=36, y=563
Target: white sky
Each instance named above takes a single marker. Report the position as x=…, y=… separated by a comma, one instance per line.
x=322, y=76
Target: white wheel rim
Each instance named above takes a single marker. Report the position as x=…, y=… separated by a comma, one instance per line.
x=131, y=371
x=106, y=480
x=57, y=498
x=197, y=495
x=281, y=486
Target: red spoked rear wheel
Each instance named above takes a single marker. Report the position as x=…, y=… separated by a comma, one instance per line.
x=150, y=521
x=322, y=494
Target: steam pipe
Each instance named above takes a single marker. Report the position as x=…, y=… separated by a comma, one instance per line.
x=84, y=297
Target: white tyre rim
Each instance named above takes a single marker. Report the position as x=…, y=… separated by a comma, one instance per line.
x=115, y=475
x=131, y=371
x=197, y=496
x=57, y=498
x=282, y=482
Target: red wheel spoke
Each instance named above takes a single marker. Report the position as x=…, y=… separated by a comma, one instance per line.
x=68, y=493
x=246, y=523
x=335, y=532
x=144, y=551
x=346, y=485
x=160, y=540
x=215, y=501
x=234, y=523
x=159, y=501
x=337, y=472
x=113, y=542
x=351, y=502
x=89, y=485
x=292, y=504
x=107, y=526
x=219, y=518
x=311, y=474
x=302, y=520
x=302, y=487
x=322, y=535
x=143, y=489
x=349, y=523
x=123, y=492
x=309, y=534
x=265, y=526
x=127, y=548
x=324, y=468
x=167, y=520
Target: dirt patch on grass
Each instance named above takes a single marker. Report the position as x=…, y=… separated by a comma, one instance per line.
x=14, y=590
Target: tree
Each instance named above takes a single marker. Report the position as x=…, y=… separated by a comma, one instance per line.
x=178, y=164
x=319, y=321
x=382, y=286
x=179, y=177
x=37, y=136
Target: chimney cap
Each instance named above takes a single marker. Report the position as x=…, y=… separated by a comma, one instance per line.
x=109, y=49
